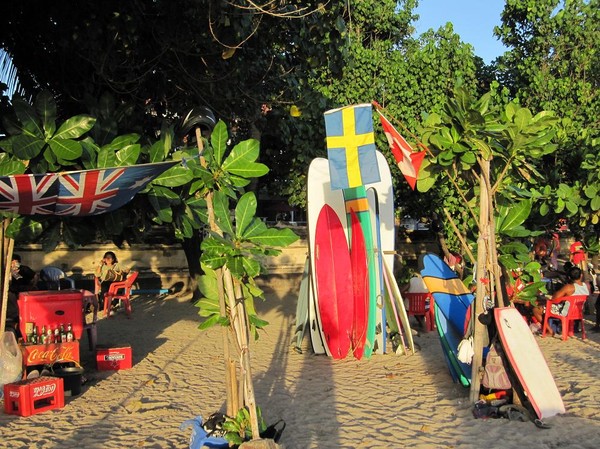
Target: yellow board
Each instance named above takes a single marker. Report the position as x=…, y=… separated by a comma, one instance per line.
x=452, y=286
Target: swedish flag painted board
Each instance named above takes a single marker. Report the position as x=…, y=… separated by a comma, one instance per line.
x=351, y=146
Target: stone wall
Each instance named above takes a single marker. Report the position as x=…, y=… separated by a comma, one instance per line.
x=160, y=266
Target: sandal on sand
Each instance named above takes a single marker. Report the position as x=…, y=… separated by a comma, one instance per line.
x=515, y=412
x=541, y=424
x=483, y=410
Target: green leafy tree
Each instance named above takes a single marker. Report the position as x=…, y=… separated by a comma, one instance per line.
x=553, y=64
x=383, y=62
x=514, y=141
x=486, y=153
x=212, y=177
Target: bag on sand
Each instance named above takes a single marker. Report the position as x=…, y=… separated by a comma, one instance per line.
x=495, y=376
x=465, y=350
x=11, y=363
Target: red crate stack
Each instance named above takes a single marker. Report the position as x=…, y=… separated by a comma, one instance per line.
x=51, y=309
x=31, y=396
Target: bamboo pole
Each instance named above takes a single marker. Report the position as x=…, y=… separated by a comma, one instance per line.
x=482, y=283
x=8, y=245
x=239, y=328
x=243, y=334
x=233, y=398
x=459, y=236
x=233, y=404
x=496, y=292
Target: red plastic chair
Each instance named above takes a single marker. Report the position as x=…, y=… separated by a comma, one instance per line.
x=121, y=291
x=417, y=306
x=575, y=313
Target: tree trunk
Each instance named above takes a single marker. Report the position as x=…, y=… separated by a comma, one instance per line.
x=5, y=262
x=483, y=281
x=191, y=248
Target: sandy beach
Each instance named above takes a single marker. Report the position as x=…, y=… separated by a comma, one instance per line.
x=388, y=401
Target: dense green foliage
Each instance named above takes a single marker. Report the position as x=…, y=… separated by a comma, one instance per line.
x=554, y=64
x=515, y=141
x=271, y=76
x=125, y=73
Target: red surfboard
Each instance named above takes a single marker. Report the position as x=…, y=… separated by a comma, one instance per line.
x=333, y=273
x=360, y=286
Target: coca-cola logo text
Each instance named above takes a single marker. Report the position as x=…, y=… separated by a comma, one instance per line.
x=62, y=352
x=114, y=357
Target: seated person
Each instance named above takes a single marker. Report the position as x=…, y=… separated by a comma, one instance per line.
x=575, y=286
x=22, y=279
x=541, y=250
x=52, y=278
x=108, y=271
x=455, y=262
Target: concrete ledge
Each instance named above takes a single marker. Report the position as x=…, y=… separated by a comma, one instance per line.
x=165, y=266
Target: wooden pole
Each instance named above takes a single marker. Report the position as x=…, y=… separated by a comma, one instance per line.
x=233, y=404
x=249, y=396
x=459, y=236
x=482, y=283
x=8, y=245
x=239, y=328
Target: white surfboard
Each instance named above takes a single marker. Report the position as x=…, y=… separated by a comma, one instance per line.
x=395, y=295
x=381, y=205
x=380, y=334
x=318, y=194
x=528, y=362
x=385, y=197
x=302, y=307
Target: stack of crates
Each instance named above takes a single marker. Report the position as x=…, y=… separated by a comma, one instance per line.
x=31, y=396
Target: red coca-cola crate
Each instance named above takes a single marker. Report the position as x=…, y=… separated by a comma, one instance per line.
x=113, y=358
x=52, y=308
x=50, y=353
x=31, y=396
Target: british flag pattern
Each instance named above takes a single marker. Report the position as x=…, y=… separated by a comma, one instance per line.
x=76, y=193
x=29, y=194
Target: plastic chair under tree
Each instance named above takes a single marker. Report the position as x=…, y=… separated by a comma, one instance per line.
x=417, y=307
x=122, y=292
x=53, y=277
x=575, y=313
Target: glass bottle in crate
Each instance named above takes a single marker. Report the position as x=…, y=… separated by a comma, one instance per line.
x=70, y=336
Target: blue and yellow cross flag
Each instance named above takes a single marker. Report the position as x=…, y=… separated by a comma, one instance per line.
x=351, y=146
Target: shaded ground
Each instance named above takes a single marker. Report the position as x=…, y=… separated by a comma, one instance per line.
x=386, y=402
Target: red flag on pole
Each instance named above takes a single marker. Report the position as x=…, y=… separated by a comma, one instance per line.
x=408, y=161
